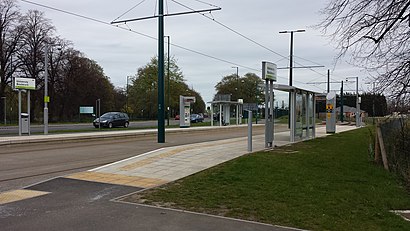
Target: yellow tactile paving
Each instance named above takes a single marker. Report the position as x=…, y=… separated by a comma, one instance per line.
x=152, y=159
x=18, y=195
x=109, y=178
x=169, y=153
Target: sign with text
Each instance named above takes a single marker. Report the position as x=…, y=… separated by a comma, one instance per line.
x=24, y=83
x=269, y=71
x=86, y=110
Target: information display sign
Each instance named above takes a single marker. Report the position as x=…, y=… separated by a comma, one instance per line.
x=330, y=112
x=86, y=110
x=269, y=71
x=24, y=84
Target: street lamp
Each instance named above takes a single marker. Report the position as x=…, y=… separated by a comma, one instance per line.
x=357, y=100
x=46, y=97
x=290, y=62
x=237, y=72
x=237, y=80
x=291, y=51
x=126, y=100
x=5, y=108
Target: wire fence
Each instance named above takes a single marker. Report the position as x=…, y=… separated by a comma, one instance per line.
x=392, y=146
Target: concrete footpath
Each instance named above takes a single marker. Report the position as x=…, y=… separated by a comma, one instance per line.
x=83, y=201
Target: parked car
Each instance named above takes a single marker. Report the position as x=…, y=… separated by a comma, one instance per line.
x=112, y=119
x=196, y=118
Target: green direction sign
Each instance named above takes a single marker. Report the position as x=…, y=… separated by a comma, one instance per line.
x=24, y=83
x=269, y=71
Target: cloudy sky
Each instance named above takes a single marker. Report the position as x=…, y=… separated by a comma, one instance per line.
x=121, y=52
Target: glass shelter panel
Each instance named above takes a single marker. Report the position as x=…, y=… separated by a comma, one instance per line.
x=299, y=116
x=311, y=114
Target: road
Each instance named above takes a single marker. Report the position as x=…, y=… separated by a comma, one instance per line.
x=28, y=164
x=13, y=130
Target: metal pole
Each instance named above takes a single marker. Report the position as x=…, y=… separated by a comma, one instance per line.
x=5, y=111
x=328, y=81
x=237, y=82
x=271, y=103
x=212, y=115
x=267, y=113
x=373, y=107
x=357, y=103
x=98, y=104
x=46, y=91
x=290, y=77
x=5, y=108
x=28, y=112
x=161, y=108
x=237, y=75
x=341, y=104
x=169, y=86
x=249, y=130
x=220, y=114
x=126, y=100
x=314, y=120
x=291, y=59
x=19, y=112
x=256, y=100
x=291, y=66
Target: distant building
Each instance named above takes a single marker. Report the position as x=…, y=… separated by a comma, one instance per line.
x=350, y=112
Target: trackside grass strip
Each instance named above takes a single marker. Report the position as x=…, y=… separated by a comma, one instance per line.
x=324, y=184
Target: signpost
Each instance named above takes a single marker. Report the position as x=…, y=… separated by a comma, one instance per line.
x=269, y=74
x=85, y=110
x=22, y=84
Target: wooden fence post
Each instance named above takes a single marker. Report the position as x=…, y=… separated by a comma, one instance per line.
x=382, y=149
x=377, y=157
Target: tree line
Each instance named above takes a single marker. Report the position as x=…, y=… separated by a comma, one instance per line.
x=74, y=80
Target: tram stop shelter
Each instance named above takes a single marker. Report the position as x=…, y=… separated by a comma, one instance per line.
x=301, y=112
x=223, y=106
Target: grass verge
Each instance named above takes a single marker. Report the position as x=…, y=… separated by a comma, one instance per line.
x=323, y=184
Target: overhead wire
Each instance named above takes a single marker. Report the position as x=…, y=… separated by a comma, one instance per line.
x=206, y=3
x=132, y=8
x=139, y=33
x=230, y=29
x=87, y=18
x=243, y=36
x=145, y=35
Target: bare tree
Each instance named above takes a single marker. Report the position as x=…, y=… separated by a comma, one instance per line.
x=37, y=32
x=57, y=59
x=10, y=35
x=376, y=33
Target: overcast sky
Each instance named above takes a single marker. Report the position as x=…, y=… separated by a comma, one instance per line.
x=121, y=52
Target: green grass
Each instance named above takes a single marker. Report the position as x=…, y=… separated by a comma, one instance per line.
x=324, y=184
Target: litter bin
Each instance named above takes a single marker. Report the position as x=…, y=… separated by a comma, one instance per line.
x=25, y=123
